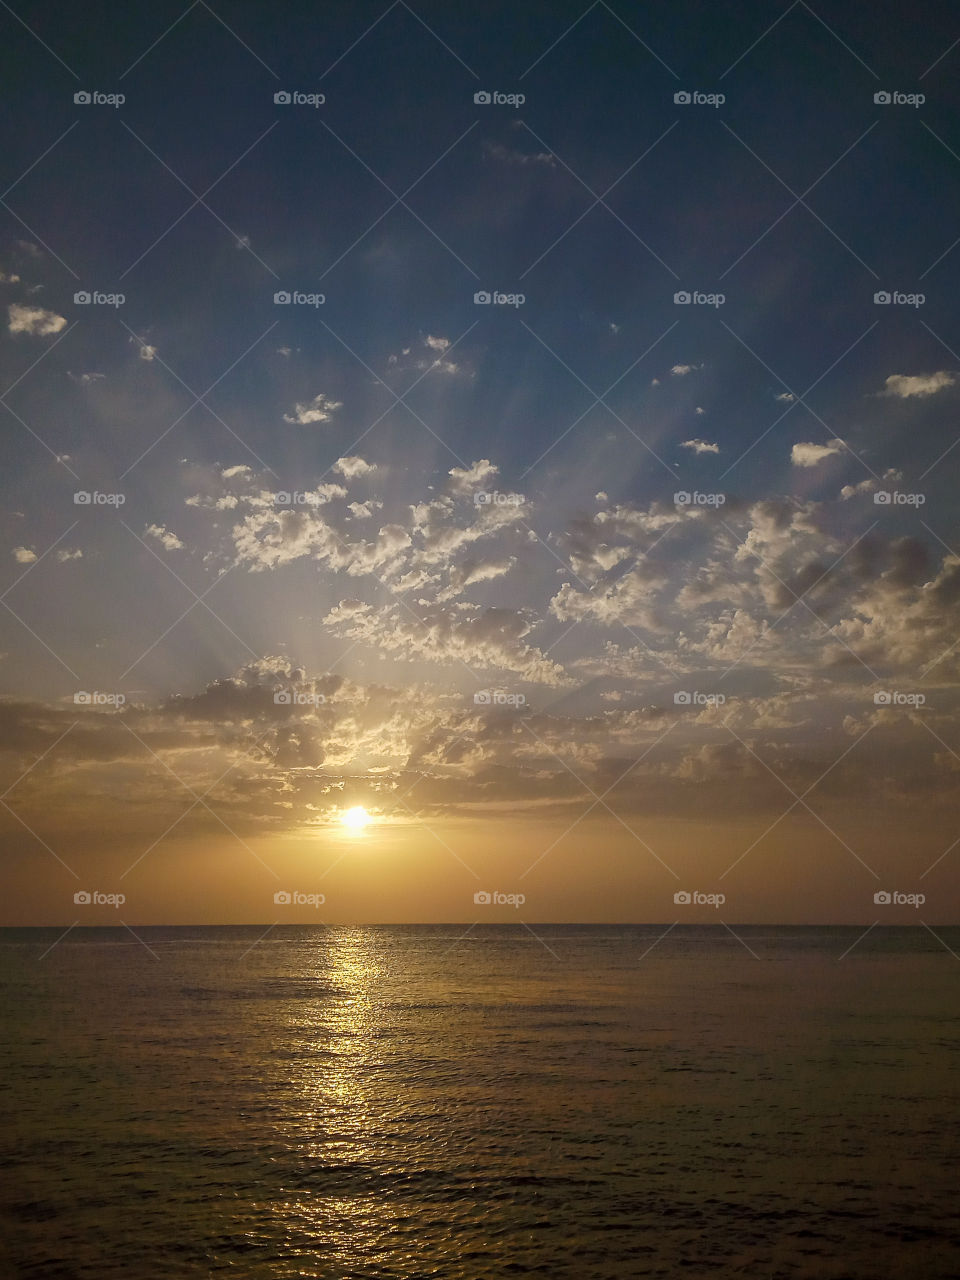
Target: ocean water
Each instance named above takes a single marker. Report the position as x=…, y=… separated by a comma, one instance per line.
x=406, y=1102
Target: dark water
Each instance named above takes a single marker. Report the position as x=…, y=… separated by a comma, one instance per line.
x=390, y=1102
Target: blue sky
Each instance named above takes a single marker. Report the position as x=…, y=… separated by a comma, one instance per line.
x=586, y=498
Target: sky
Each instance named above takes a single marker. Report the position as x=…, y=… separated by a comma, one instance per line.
x=479, y=466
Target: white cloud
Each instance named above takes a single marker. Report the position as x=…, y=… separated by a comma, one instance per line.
x=147, y=352
x=906, y=386
x=891, y=476
x=700, y=446
x=69, y=554
x=353, y=466
x=437, y=344
x=23, y=555
x=363, y=510
x=808, y=454
x=681, y=370
x=466, y=480
x=5, y=279
x=34, y=320
x=785, y=397
x=319, y=409
x=164, y=536
x=85, y=379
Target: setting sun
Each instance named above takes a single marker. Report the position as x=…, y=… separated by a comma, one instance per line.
x=356, y=818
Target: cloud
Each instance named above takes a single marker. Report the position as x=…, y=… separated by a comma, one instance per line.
x=85, y=379
x=507, y=155
x=363, y=510
x=437, y=361
x=870, y=485
x=353, y=466
x=34, y=320
x=147, y=352
x=785, y=397
x=809, y=454
x=681, y=370
x=700, y=446
x=69, y=554
x=5, y=279
x=23, y=555
x=319, y=409
x=164, y=536
x=474, y=477
x=906, y=386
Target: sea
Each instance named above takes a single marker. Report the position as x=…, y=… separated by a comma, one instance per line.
x=448, y=1101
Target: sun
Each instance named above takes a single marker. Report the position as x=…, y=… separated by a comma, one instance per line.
x=355, y=819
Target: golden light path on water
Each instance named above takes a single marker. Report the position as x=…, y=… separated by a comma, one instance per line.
x=337, y=1122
